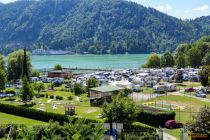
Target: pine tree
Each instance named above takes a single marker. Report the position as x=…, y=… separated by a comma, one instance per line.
x=25, y=66
x=26, y=92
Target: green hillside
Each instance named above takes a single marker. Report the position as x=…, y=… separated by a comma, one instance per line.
x=94, y=26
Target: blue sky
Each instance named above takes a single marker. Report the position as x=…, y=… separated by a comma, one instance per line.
x=185, y=9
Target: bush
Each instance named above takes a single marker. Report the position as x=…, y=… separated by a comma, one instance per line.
x=51, y=96
x=70, y=98
x=41, y=95
x=10, y=91
x=57, y=97
x=155, y=118
x=138, y=130
x=46, y=95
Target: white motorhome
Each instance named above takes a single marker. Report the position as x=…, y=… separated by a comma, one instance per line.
x=171, y=87
x=160, y=88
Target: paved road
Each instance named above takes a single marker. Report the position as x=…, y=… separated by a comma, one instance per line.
x=143, y=97
x=181, y=94
x=166, y=136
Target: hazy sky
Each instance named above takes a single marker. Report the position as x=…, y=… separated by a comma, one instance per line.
x=179, y=8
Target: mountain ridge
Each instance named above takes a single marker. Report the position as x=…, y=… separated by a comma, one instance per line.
x=93, y=26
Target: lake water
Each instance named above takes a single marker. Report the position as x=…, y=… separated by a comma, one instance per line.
x=90, y=61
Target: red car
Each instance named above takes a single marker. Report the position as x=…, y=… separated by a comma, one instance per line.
x=189, y=90
x=173, y=124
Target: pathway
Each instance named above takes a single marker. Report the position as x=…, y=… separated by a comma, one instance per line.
x=166, y=136
x=181, y=94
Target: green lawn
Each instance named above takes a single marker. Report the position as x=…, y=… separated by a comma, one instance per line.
x=188, y=85
x=8, y=119
x=83, y=109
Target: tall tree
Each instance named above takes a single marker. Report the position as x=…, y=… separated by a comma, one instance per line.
x=167, y=60
x=201, y=124
x=153, y=61
x=91, y=83
x=205, y=75
x=194, y=57
x=57, y=67
x=15, y=64
x=206, y=59
x=25, y=65
x=121, y=109
x=180, y=61
x=3, y=79
x=2, y=62
x=26, y=92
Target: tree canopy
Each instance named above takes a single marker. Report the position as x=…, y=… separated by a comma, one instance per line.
x=167, y=60
x=201, y=124
x=15, y=64
x=193, y=55
x=153, y=61
x=121, y=109
x=57, y=67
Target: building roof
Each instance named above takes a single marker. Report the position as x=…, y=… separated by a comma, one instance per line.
x=108, y=88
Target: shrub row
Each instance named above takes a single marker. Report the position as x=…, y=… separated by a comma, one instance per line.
x=139, y=126
x=38, y=114
x=59, y=97
x=138, y=130
x=9, y=91
x=155, y=118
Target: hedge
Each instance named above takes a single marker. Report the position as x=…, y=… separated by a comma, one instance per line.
x=39, y=115
x=155, y=118
x=137, y=131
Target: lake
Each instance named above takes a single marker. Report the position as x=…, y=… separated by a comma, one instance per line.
x=90, y=61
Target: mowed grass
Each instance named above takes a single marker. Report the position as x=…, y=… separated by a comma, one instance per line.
x=188, y=85
x=82, y=109
x=12, y=119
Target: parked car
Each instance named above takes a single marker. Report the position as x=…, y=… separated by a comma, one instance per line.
x=200, y=94
x=173, y=124
x=189, y=90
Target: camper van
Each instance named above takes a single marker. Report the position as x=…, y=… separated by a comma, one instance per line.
x=160, y=88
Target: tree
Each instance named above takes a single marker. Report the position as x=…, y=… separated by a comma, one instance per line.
x=26, y=92
x=38, y=86
x=202, y=122
x=91, y=83
x=3, y=79
x=57, y=67
x=180, y=61
x=121, y=109
x=179, y=76
x=194, y=57
x=78, y=89
x=153, y=61
x=206, y=59
x=167, y=60
x=205, y=75
x=15, y=64
x=25, y=65
x=2, y=62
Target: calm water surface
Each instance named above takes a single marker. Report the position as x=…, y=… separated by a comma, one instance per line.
x=90, y=61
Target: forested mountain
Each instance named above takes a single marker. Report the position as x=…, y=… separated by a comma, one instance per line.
x=94, y=26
